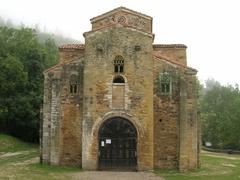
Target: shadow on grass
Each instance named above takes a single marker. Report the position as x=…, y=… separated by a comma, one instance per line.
x=12, y=144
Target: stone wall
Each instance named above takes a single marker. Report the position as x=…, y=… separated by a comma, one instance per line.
x=51, y=116
x=176, y=129
x=62, y=113
x=125, y=17
x=166, y=118
x=67, y=55
x=175, y=52
x=189, y=144
x=71, y=121
x=101, y=48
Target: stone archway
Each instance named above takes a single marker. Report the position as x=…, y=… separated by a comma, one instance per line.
x=117, y=143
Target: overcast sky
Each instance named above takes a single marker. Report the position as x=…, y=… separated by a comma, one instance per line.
x=210, y=28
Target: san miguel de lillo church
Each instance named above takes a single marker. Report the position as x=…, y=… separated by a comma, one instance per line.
x=119, y=101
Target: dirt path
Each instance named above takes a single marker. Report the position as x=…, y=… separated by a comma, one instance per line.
x=9, y=154
x=222, y=155
x=108, y=175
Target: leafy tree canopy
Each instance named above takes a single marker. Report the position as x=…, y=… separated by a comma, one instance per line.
x=220, y=114
x=22, y=60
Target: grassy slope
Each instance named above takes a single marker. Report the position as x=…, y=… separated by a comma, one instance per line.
x=11, y=144
x=19, y=160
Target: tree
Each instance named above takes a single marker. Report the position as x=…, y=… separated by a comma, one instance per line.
x=22, y=61
x=13, y=81
x=221, y=116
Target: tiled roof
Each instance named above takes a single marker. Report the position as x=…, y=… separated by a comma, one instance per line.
x=160, y=57
x=169, y=46
x=72, y=46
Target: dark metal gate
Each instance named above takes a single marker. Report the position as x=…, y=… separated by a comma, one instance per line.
x=117, y=145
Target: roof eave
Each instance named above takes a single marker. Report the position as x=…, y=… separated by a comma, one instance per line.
x=189, y=71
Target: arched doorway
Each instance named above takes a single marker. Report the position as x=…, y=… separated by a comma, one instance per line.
x=117, y=144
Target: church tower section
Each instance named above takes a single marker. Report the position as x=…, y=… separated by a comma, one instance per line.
x=118, y=81
x=176, y=129
x=62, y=109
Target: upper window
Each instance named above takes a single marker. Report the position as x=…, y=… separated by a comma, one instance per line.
x=118, y=79
x=73, y=85
x=118, y=64
x=165, y=83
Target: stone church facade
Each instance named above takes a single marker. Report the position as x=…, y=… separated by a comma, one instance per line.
x=120, y=101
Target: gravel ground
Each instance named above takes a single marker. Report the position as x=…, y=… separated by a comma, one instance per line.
x=109, y=175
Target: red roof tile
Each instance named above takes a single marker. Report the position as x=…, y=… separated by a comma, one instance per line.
x=72, y=46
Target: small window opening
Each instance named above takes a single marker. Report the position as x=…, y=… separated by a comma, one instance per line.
x=121, y=68
x=73, y=85
x=73, y=88
x=118, y=79
x=119, y=64
x=137, y=48
x=115, y=68
x=165, y=83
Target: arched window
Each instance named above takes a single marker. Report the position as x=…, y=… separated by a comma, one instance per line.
x=118, y=92
x=118, y=79
x=118, y=64
x=73, y=86
x=165, y=83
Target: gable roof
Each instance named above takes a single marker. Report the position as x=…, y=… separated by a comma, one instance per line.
x=121, y=8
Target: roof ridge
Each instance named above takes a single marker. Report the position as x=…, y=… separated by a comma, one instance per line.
x=72, y=46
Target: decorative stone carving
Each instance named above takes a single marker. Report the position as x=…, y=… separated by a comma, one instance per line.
x=121, y=19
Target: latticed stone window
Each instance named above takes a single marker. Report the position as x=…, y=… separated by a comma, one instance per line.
x=73, y=86
x=165, y=83
x=118, y=64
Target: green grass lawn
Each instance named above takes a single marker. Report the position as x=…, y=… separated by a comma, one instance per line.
x=19, y=160
x=11, y=144
x=214, y=166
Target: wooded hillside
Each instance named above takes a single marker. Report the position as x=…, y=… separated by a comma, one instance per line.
x=24, y=54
